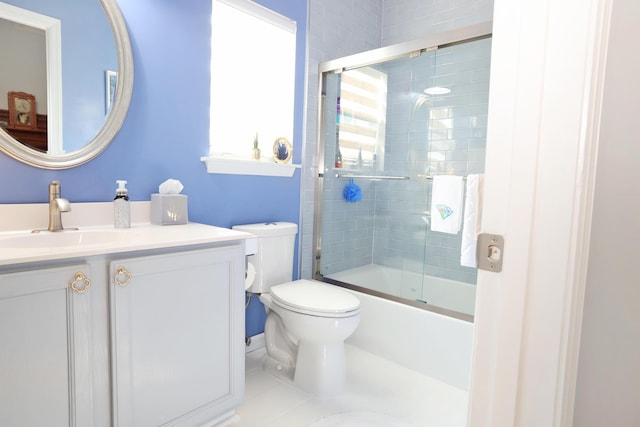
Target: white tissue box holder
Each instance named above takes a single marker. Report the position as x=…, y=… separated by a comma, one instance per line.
x=169, y=209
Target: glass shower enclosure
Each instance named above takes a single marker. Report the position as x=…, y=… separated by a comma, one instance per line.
x=391, y=120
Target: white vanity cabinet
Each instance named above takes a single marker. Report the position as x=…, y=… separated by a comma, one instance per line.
x=176, y=320
x=46, y=349
x=146, y=332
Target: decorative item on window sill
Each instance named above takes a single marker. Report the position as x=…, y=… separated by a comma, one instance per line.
x=282, y=150
x=256, y=150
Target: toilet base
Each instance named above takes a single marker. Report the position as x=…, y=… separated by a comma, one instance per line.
x=312, y=347
x=276, y=369
x=321, y=369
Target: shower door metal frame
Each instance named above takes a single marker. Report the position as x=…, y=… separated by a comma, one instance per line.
x=407, y=49
x=401, y=50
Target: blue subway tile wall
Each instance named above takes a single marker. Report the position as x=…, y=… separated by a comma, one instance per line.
x=425, y=135
x=338, y=28
x=331, y=35
x=430, y=136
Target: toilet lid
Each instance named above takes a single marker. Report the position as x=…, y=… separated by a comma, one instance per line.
x=315, y=297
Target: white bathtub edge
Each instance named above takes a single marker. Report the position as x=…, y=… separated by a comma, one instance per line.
x=432, y=344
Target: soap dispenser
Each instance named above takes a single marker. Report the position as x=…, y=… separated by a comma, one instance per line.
x=121, y=207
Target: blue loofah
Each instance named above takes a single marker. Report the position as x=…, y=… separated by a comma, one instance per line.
x=352, y=192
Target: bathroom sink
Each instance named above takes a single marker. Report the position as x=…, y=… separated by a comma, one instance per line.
x=66, y=238
x=95, y=235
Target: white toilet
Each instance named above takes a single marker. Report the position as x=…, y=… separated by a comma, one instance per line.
x=307, y=321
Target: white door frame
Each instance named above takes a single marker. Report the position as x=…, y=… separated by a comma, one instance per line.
x=547, y=75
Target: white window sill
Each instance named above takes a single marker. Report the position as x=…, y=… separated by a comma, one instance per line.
x=248, y=167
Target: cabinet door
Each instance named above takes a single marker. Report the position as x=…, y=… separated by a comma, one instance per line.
x=177, y=336
x=45, y=344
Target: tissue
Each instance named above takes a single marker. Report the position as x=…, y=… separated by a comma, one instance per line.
x=170, y=186
x=169, y=207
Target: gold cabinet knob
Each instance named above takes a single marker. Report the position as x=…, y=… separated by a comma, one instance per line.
x=122, y=276
x=80, y=283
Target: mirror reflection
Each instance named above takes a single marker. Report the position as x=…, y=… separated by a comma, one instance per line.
x=86, y=81
x=24, y=62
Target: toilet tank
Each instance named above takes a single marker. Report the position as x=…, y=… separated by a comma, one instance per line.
x=273, y=261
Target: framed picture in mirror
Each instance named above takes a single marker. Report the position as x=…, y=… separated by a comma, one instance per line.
x=22, y=110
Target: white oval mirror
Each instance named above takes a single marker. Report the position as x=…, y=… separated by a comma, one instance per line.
x=77, y=137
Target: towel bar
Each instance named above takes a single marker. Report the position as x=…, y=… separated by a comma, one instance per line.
x=430, y=177
x=353, y=175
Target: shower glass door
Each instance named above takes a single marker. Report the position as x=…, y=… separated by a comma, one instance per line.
x=387, y=129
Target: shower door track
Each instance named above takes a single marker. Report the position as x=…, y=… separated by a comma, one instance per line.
x=410, y=48
x=417, y=304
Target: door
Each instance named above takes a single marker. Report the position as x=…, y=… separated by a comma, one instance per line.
x=389, y=127
x=177, y=336
x=46, y=374
x=546, y=80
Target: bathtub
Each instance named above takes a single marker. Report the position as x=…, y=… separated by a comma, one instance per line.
x=432, y=344
x=451, y=295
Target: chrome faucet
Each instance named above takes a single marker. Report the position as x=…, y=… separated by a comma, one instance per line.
x=57, y=205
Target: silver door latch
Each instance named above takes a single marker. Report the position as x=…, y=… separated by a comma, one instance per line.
x=489, y=252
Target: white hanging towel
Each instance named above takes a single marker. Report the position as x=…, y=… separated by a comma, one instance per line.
x=446, y=203
x=472, y=220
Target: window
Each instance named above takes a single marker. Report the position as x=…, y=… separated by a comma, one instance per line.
x=363, y=108
x=252, y=79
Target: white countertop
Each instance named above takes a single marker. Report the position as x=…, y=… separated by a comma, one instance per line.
x=141, y=236
x=137, y=238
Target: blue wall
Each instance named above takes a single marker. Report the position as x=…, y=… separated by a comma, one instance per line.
x=166, y=131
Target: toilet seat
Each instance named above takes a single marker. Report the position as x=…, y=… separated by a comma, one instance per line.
x=315, y=298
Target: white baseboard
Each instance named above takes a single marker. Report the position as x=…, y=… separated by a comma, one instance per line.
x=223, y=420
x=256, y=343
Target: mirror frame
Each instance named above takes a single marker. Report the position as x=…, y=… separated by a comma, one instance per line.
x=114, y=119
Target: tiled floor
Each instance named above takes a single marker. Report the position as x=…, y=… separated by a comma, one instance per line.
x=378, y=393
